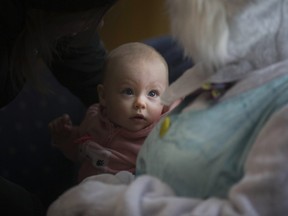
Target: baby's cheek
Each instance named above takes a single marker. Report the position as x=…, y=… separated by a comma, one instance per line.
x=156, y=114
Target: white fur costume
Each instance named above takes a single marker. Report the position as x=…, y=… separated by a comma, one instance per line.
x=242, y=41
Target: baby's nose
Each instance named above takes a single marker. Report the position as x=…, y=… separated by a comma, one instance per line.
x=140, y=103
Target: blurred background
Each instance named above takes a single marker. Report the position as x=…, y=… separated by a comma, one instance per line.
x=134, y=20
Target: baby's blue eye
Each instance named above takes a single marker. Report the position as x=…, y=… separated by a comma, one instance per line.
x=153, y=93
x=127, y=91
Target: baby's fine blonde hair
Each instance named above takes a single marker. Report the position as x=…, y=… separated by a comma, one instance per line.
x=130, y=52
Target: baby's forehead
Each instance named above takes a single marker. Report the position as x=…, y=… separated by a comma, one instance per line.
x=136, y=62
x=133, y=57
x=138, y=72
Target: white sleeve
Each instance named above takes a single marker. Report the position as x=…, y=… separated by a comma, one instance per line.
x=263, y=191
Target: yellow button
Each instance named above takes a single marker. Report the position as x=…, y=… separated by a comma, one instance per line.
x=215, y=93
x=206, y=86
x=165, y=126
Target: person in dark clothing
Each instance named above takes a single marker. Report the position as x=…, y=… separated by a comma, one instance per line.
x=40, y=36
x=61, y=36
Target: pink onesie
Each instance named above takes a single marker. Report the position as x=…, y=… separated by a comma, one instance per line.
x=107, y=148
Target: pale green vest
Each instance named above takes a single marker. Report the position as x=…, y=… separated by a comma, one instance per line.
x=203, y=152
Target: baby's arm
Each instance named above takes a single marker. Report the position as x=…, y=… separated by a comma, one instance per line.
x=63, y=134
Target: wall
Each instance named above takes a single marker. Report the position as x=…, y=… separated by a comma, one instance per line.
x=134, y=20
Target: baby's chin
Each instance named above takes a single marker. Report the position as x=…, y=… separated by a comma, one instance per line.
x=136, y=127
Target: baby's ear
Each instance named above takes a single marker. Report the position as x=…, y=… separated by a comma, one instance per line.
x=100, y=90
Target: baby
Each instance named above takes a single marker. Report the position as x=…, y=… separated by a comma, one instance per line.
x=224, y=150
x=112, y=132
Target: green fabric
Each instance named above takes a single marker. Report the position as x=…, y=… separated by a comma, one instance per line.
x=204, y=151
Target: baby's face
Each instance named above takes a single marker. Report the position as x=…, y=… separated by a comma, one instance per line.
x=132, y=93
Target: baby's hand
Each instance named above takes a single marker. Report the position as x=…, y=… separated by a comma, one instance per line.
x=61, y=130
x=63, y=134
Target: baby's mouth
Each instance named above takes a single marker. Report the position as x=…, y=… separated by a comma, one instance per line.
x=138, y=117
